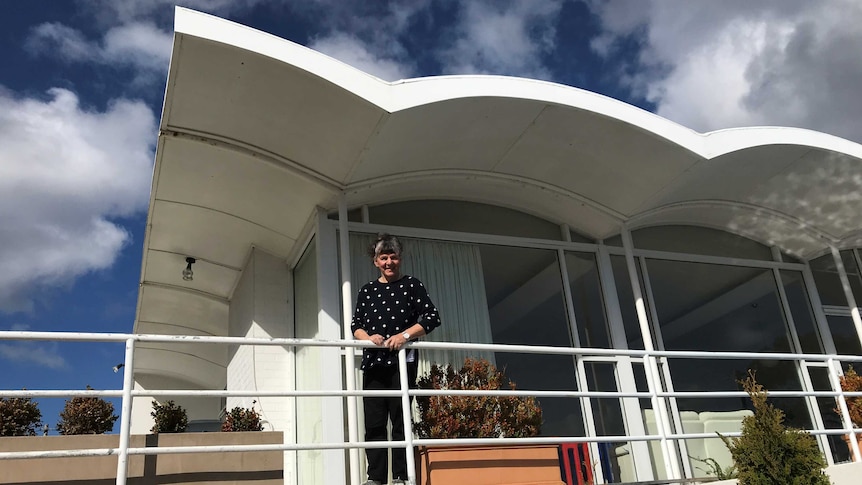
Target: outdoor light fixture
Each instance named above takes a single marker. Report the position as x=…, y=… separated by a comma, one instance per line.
x=118, y=367
x=188, y=274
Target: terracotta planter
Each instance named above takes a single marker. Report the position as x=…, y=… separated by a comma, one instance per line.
x=489, y=465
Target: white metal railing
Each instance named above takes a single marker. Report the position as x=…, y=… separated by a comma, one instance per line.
x=830, y=362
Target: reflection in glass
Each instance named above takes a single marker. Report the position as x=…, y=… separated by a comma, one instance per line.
x=844, y=335
x=625, y=295
x=723, y=308
x=309, y=411
x=526, y=306
x=828, y=282
x=587, y=300
x=800, y=308
x=831, y=419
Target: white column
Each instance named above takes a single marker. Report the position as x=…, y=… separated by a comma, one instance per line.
x=631, y=406
x=671, y=462
x=349, y=354
x=330, y=357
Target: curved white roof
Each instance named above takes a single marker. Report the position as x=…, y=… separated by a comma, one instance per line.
x=257, y=132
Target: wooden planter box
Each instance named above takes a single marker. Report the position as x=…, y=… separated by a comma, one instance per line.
x=258, y=468
x=489, y=465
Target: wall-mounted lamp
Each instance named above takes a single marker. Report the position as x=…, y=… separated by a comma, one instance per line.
x=188, y=274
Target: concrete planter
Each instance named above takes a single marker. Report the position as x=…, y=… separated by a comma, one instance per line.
x=258, y=468
x=489, y=465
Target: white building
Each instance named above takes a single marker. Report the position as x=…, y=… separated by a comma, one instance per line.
x=542, y=202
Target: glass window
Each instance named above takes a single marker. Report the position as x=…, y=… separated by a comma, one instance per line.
x=844, y=335
x=828, y=281
x=587, y=300
x=626, y=298
x=526, y=306
x=697, y=240
x=831, y=419
x=309, y=411
x=800, y=308
x=853, y=274
x=723, y=308
x=462, y=216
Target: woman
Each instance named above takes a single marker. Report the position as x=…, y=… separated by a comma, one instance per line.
x=390, y=311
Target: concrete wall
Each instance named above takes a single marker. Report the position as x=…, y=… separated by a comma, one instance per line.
x=258, y=468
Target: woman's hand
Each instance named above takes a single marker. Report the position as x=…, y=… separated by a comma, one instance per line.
x=377, y=339
x=395, y=342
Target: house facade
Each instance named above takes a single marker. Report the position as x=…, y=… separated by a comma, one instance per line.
x=535, y=213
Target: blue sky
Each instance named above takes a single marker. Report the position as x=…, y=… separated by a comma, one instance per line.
x=82, y=83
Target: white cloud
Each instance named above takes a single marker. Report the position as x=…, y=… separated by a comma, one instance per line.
x=64, y=172
x=140, y=45
x=712, y=65
x=353, y=51
x=503, y=38
x=43, y=354
x=507, y=38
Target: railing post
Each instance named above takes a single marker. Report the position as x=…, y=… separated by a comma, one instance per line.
x=349, y=353
x=845, y=413
x=126, y=414
x=405, y=409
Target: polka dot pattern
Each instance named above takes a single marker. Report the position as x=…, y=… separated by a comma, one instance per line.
x=401, y=305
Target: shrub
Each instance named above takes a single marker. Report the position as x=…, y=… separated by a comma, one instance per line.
x=86, y=415
x=169, y=418
x=474, y=416
x=242, y=419
x=19, y=416
x=769, y=453
x=852, y=382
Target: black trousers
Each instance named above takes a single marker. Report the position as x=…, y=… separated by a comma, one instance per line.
x=380, y=410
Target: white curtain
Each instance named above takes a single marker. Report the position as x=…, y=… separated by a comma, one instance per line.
x=452, y=274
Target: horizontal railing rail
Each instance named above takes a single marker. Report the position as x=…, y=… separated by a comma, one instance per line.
x=827, y=361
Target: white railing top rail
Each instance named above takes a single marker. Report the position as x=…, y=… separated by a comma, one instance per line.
x=528, y=349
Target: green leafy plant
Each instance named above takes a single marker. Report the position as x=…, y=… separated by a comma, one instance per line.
x=19, y=416
x=86, y=415
x=714, y=468
x=474, y=416
x=169, y=418
x=852, y=382
x=768, y=452
x=242, y=419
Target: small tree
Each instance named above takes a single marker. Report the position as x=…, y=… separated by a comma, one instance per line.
x=474, y=416
x=86, y=415
x=242, y=419
x=19, y=416
x=769, y=453
x=169, y=418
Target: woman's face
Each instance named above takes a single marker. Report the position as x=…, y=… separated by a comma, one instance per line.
x=389, y=265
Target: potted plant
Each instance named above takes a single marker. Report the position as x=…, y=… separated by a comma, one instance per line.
x=770, y=452
x=480, y=417
x=169, y=417
x=86, y=415
x=242, y=419
x=852, y=382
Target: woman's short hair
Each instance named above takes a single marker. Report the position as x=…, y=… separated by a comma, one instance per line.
x=385, y=244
